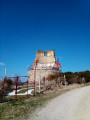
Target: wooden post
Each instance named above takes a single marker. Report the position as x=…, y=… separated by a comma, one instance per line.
x=65, y=80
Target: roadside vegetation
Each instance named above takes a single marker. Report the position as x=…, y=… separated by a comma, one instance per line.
x=22, y=91
x=24, y=106
x=77, y=77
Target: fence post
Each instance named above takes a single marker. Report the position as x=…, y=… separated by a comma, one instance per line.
x=35, y=74
x=27, y=86
x=39, y=83
x=65, y=80
x=16, y=87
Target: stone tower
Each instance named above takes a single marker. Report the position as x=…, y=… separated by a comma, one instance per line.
x=46, y=65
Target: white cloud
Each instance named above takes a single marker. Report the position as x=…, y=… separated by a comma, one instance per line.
x=2, y=64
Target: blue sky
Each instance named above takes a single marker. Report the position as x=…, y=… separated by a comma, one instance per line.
x=30, y=25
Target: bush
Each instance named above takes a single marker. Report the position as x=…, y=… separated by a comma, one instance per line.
x=52, y=77
x=7, y=86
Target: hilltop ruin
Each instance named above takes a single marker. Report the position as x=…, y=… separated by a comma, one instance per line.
x=46, y=64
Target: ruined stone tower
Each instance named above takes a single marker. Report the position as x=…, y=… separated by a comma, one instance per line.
x=46, y=64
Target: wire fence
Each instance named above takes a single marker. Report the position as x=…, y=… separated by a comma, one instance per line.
x=12, y=88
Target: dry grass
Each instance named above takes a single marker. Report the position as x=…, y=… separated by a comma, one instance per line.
x=20, y=109
x=23, y=91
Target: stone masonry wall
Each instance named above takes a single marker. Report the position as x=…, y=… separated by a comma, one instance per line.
x=40, y=73
x=45, y=65
x=42, y=59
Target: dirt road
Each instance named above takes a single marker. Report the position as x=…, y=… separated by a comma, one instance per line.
x=73, y=105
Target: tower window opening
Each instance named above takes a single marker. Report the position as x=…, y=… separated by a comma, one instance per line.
x=45, y=54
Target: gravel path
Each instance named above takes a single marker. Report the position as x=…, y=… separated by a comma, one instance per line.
x=73, y=105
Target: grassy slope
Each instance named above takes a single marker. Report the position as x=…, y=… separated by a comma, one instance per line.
x=20, y=109
x=23, y=91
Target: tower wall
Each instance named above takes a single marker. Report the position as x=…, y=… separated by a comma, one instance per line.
x=46, y=65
